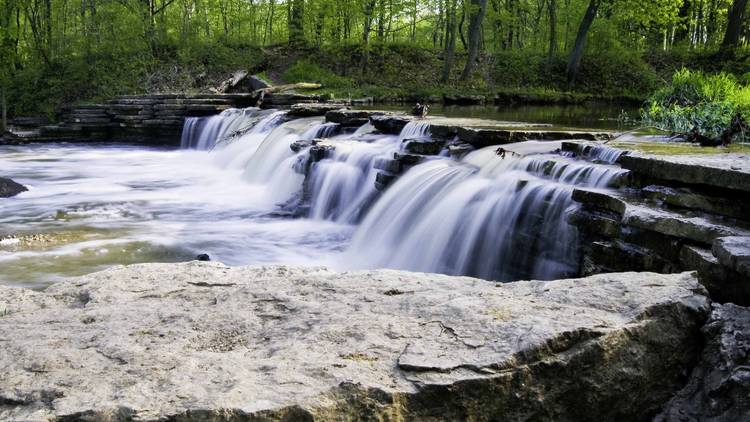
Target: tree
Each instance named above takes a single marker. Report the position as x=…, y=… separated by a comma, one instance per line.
x=478, y=10
x=574, y=61
x=297, y=22
x=449, y=52
x=734, y=25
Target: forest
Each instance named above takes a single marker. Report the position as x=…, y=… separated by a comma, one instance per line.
x=62, y=51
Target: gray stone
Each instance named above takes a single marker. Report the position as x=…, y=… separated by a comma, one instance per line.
x=10, y=188
x=602, y=200
x=200, y=341
x=690, y=199
x=719, y=387
x=724, y=284
x=731, y=171
x=734, y=252
x=390, y=123
x=695, y=228
x=351, y=118
x=423, y=146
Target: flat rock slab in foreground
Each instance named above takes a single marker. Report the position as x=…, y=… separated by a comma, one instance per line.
x=201, y=341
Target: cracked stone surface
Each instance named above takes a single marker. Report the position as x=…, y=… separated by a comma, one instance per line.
x=202, y=341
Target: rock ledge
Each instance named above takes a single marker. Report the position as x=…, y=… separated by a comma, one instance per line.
x=201, y=341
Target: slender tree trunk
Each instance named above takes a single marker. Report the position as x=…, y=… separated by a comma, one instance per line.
x=296, y=22
x=683, y=31
x=369, y=12
x=450, y=40
x=552, y=29
x=734, y=24
x=574, y=61
x=3, y=112
x=461, y=28
x=479, y=9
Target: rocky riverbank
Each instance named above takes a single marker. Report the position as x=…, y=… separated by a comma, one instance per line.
x=201, y=341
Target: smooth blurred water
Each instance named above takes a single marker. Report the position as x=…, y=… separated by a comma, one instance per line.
x=92, y=206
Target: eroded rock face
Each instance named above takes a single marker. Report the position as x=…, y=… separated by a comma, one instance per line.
x=719, y=387
x=10, y=188
x=201, y=341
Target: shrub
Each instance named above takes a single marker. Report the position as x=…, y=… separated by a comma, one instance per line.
x=695, y=100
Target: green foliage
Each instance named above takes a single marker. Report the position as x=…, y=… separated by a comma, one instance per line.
x=305, y=71
x=706, y=102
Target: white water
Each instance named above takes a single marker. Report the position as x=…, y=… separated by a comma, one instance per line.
x=97, y=206
x=500, y=219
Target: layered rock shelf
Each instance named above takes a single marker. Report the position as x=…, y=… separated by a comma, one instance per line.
x=679, y=213
x=481, y=133
x=149, y=119
x=201, y=341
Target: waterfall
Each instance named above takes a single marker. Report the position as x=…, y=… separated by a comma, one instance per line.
x=415, y=129
x=203, y=133
x=487, y=216
x=272, y=164
x=343, y=186
x=605, y=154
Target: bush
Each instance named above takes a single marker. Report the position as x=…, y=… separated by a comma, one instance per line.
x=696, y=100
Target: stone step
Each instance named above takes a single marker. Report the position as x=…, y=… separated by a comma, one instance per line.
x=691, y=199
x=423, y=146
x=696, y=228
x=352, y=118
x=734, y=252
x=725, y=171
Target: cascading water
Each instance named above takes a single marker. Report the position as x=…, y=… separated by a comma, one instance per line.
x=202, y=133
x=605, y=154
x=486, y=216
x=489, y=217
x=415, y=129
x=343, y=186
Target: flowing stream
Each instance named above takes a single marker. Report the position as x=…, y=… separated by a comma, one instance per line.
x=237, y=191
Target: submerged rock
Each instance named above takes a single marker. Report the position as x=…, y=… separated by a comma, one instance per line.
x=202, y=341
x=10, y=188
x=719, y=387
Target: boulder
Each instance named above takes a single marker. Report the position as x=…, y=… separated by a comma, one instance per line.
x=10, y=188
x=719, y=387
x=201, y=341
x=390, y=123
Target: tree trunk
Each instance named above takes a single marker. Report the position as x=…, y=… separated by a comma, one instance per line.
x=583, y=30
x=734, y=25
x=684, y=15
x=479, y=8
x=3, y=112
x=296, y=23
x=450, y=40
x=369, y=12
x=552, y=29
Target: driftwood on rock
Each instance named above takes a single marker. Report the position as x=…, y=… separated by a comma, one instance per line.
x=236, y=79
x=261, y=93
